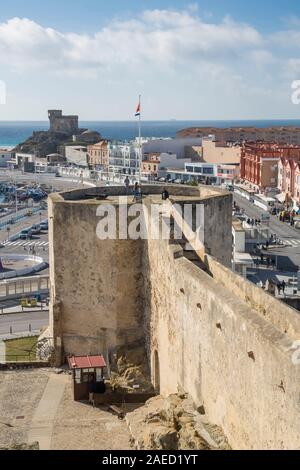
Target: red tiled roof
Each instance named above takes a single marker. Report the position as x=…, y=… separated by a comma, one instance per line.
x=86, y=362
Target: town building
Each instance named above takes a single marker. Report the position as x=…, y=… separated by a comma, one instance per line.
x=150, y=164
x=280, y=135
x=98, y=155
x=5, y=157
x=220, y=152
x=289, y=176
x=259, y=164
x=124, y=158
x=55, y=158
x=203, y=172
x=25, y=162
x=174, y=146
x=77, y=155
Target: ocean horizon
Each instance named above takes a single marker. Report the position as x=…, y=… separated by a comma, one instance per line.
x=13, y=133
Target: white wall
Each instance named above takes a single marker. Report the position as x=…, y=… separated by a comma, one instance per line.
x=176, y=146
x=76, y=155
x=171, y=161
x=5, y=157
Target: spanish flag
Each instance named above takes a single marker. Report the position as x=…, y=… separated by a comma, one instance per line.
x=138, y=109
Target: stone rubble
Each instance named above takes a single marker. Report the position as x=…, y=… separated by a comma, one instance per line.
x=172, y=423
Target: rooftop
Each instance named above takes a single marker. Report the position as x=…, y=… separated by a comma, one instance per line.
x=86, y=362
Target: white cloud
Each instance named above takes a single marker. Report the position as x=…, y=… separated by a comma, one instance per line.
x=174, y=56
x=159, y=36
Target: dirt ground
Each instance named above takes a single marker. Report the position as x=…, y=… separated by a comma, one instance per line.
x=77, y=426
x=20, y=393
x=80, y=426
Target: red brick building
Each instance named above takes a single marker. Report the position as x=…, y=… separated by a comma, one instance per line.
x=150, y=164
x=98, y=154
x=259, y=164
x=289, y=175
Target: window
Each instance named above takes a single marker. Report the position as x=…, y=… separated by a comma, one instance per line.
x=98, y=375
x=78, y=376
x=190, y=169
x=208, y=171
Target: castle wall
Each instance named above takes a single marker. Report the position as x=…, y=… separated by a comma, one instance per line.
x=205, y=339
x=211, y=334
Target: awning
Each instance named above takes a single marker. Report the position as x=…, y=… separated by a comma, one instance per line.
x=86, y=362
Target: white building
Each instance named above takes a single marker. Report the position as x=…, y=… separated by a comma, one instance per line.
x=172, y=146
x=77, y=155
x=124, y=157
x=5, y=156
x=202, y=171
x=168, y=161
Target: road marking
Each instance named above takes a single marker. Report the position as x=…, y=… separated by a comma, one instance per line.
x=25, y=244
x=292, y=242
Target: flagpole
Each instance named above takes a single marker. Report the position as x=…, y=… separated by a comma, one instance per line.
x=140, y=139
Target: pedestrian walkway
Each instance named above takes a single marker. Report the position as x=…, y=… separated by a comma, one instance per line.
x=26, y=243
x=41, y=428
x=292, y=242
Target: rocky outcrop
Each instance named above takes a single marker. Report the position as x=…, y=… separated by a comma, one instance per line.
x=172, y=423
x=43, y=143
x=130, y=370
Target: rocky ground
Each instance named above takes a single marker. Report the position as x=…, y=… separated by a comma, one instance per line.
x=172, y=423
x=43, y=143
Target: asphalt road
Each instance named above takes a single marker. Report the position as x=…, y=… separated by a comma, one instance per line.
x=59, y=184
x=20, y=322
x=39, y=242
x=290, y=254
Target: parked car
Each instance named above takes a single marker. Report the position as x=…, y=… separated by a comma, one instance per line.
x=44, y=226
x=162, y=180
x=178, y=181
x=36, y=229
x=26, y=234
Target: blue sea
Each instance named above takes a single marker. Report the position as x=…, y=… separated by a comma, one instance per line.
x=14, y=132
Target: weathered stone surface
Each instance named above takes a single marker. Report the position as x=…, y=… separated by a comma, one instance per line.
x=170, y=424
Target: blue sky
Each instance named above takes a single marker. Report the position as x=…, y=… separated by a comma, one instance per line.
x=85, y=15
x=212, y=59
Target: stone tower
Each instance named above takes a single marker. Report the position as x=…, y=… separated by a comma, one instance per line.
x=65, y=124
